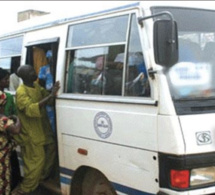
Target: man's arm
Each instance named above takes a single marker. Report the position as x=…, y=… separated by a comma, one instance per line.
x=53, y=94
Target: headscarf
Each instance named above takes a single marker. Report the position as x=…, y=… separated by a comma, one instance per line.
x=49, y=54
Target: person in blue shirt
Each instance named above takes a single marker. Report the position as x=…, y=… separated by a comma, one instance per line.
x=46, y=73
x=46, y=80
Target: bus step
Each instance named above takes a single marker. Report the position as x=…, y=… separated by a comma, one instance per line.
x=51, y=186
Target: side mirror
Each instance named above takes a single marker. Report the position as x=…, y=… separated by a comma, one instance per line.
x=165, y=42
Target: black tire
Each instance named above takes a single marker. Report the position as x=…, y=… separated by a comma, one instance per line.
x=95, y=183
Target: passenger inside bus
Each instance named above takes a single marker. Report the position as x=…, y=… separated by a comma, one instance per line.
x=98, y=82
x=97, y=74
x=107, y=78
x=114, y=84
x=103, y=75
x=137, y=83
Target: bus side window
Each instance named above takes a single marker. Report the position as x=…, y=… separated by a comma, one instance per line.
x=137, y=83
x=10, y=56
x=93, y=71
x=82, y=74
x=80, y=71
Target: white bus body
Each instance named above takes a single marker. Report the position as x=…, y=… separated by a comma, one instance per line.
x=148, y=133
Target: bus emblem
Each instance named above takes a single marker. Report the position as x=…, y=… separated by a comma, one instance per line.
x=203, y=138
x=103, y=125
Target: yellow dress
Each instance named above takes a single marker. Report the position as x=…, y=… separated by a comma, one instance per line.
x=36, y=138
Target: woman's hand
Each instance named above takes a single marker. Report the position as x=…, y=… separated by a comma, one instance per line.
x=15, y=127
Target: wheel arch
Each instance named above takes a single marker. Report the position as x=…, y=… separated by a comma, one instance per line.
x=78, y=178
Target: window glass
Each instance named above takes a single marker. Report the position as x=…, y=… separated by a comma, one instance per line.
x=192, y=77
x=137, y=83
x=10, y=57
x=5, y=63
x=9, y=47
x=99, y=70
x=94, y=71
x=98, y=32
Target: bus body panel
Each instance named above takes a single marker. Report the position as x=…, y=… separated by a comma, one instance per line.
x=170, y=137
x=165, y=107
x=83, y=119
x=137, y=168
x=199, y=133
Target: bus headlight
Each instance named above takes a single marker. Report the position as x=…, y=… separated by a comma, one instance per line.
x=202, y=176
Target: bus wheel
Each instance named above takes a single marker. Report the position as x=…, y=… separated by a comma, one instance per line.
x=95, y=183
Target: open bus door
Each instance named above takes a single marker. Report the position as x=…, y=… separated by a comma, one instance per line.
x=36, y=57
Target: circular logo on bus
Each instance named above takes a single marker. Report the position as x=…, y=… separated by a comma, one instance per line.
x=103, y=125
x=203, y=138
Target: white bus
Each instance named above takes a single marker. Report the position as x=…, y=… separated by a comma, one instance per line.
x=136, y=110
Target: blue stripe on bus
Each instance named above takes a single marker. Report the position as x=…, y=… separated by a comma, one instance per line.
x=118, y=187
x=66, y=171
x=128, y=190
x=65, y=180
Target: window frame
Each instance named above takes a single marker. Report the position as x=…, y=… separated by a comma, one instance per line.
x=122, y=98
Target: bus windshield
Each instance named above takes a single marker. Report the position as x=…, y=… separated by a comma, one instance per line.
x=192, y=77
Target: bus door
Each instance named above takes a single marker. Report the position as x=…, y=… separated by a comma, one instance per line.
x=38, y=53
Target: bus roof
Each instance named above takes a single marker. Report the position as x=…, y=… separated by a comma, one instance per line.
x=50, y=20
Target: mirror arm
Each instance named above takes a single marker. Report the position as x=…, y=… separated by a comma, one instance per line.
x=140, y=19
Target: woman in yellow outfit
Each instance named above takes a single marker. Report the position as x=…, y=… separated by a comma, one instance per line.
x=36, y=138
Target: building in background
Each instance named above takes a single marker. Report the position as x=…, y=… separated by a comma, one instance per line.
x=28, y=14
